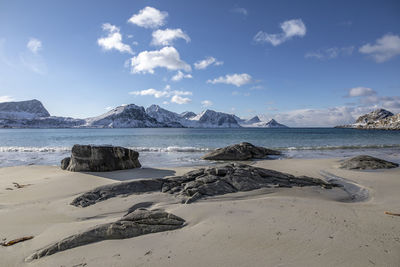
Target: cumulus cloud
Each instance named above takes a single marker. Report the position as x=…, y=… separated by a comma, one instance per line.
x=167, y=57
x=290, y=29
x=180, y=100
x=180, y=75
x=361, y=91
x=206, y=103
x=234, y=79
x=6, y=98
x=384, y=49
x=203, y=64
x=149, y=17
x=113, y=40
x=167, y=36
x=240, y=10
x=34, y=45
x=330, y=53
x=167, y=92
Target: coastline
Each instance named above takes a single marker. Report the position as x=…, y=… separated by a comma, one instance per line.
x=278, y=227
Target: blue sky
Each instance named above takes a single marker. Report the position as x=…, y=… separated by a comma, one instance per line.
x=304, y=63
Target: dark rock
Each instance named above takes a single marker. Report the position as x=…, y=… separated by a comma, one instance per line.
x=364, y=162
x=101, y=158
x=65, y=163
x=139, y=222
x=233, y=178
x=140, y=205
x=204, y=182
x=242, y=151
x=112, y=190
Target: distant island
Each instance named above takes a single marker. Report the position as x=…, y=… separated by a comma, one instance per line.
x=379, y=119
x=32, y=114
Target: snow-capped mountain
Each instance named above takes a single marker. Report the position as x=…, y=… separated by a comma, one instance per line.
x=187, y=114
x=270, y=124
x=377, y=119
x=127, y=116
x=23, y=110
x=213, y=119
x=170, y=118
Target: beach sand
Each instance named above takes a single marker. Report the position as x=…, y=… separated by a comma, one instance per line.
x=307, y=226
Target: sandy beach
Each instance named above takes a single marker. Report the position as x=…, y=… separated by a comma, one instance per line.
x=308, y=226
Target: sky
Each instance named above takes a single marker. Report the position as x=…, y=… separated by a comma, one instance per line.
x=303, y=63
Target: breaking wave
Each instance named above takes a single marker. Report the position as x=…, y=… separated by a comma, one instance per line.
x=187, y=149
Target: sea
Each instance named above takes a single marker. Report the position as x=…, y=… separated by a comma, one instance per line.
x=170, y=147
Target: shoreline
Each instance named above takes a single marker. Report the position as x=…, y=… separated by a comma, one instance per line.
x=288, y=227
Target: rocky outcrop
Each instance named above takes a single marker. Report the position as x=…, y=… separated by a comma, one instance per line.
x=380, y=119
x=242, y=151
x=112, y=190
x=204, y=182
x=137, y=223
x=100, y=159
x=373, y=116
x=364, y=162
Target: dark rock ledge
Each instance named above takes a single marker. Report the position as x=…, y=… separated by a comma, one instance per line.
x=201, y=183
x=136, y=223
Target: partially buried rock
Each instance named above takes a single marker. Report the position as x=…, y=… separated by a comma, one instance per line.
x=139, y=222
x=242, y=151
x=201, y=183
x=100, y=158
x=364, y=162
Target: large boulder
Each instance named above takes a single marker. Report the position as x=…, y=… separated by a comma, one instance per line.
x=364, y=162
x=100, y=159
x=201, y=183
x=136, y=223
x=242, y=151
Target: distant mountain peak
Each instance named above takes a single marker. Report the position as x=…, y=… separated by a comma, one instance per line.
x=28, y=109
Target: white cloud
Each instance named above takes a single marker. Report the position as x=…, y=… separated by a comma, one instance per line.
x=108, y=108
x=176, y=95
x=6, y=98
x=290, y=29
x=113, y=40
x=180, y=75
x=167, y=36
x=361, y=91
x=235, y=79
x=385, y=48
x=330, y=53
x=203, y=64
x=180, y=100
x=149, y=17
x=160, y=93
x=167, y=57
x=34, y=45
x=240, y=10
x=206, y=103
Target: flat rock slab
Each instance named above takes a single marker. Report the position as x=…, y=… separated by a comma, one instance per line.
x=364, y=162
x=204, y=182
x=242, y=151
x=100, y=159
x=136, y=223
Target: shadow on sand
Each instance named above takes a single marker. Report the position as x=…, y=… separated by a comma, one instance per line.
x=131, y=174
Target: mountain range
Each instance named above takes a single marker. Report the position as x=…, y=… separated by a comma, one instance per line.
x=32, y=114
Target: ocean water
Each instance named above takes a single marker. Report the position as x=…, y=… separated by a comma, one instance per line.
x=184, y=147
